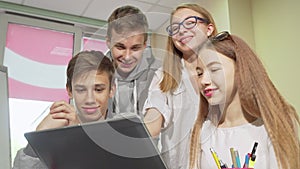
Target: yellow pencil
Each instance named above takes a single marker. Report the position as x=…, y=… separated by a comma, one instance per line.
x=215, y=157
x=233, y=157
x=252, y=162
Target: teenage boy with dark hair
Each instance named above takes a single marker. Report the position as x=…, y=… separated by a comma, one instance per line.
x=90, y=85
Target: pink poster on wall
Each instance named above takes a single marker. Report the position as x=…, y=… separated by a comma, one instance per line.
x=37, y=59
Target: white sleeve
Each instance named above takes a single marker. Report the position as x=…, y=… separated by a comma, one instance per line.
x=157, y=99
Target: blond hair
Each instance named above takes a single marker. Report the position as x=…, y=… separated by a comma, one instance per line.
x=172, y=65
x=127, y=19
x=259, y=98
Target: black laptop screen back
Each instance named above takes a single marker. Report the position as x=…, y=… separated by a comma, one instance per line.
x=115, y=144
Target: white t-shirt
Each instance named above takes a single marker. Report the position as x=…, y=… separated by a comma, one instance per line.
x=179, y=110
x=242, y=139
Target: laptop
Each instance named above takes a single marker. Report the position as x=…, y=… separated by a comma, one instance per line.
x=122, y=142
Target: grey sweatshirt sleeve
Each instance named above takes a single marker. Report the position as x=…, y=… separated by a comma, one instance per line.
x=27, y=159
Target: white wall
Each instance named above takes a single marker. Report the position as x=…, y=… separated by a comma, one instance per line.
x=277, y=38
x=220, y=12
x=241, y=24
x=271, y=28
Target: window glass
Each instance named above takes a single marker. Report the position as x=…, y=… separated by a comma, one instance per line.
x=94, y=44
x=36, y=59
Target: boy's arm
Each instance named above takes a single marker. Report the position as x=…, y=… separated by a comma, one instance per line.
x=61, y=114
x=27, y=159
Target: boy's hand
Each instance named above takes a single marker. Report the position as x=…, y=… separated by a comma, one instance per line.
x=61, y=114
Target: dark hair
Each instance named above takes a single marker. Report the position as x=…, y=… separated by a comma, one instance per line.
x=126, y=19
x=86, y=61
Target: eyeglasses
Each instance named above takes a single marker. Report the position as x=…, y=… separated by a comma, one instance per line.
x=220, y=37
x=188, y=23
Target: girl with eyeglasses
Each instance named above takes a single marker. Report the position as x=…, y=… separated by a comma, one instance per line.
x=172, y=104
x=239, y=105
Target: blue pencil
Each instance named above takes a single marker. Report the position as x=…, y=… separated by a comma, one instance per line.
x=247, y=156
x=237, y=158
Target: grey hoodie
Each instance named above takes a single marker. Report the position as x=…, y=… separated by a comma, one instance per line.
x=131, y=92
x=27, y=159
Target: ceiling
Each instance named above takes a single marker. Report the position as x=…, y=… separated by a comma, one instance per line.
x=157, y=11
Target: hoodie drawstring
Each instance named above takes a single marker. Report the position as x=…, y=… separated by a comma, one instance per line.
x=117, y=97
x=135, y=97
x=117, y=110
